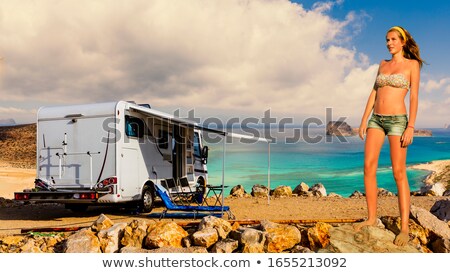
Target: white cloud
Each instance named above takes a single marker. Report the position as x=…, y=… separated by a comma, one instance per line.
x=230, y=57
x=435, y=85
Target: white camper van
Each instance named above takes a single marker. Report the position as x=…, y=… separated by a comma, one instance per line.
x=112, y=153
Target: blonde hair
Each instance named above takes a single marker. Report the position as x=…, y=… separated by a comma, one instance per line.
x=410, y=49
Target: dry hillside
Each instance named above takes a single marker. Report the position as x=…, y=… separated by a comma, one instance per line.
x=18, y=145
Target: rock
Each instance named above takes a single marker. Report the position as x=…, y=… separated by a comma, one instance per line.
x=430, y=222
x=441, y=246
x=339, y=128
x=251, y=240
x=30, y=247
x=416, y=232
x=102, y=222
x=134, y=234
x=356, y=194
x=441, y=209
x=423, y=132
x=280, y=237
x=301, y=249
x=222, y=226
x=370, y=239
x=260, y=191
x=318, y=190
x=384, y=193
x=282, y=191
x=83, y=241
x=205, y=237
x=12, y=240
x=110, y=238
x=436, y=189
x=238, y=191
x=301, y=189
x=225, y=246
x=319, y=236
x=335, y=195
x=163, y=234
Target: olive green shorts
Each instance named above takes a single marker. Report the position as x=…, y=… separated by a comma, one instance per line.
x=392, y=125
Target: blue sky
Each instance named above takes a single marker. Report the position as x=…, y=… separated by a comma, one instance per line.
x=222, y=59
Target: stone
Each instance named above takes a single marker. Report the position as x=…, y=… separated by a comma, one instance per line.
x=260, y=191
x=30, y=247
x=318, y=236
x=163, y=234
x=110, y=238
x=237, y=191
x=384, y=193
x=356, y=194
x=301, y=189
x=134, y=234
x=416, y=232
x=280, y=237
x=251, y=240
x=427, y=220
x=222, y=226
x=441, y=246
x=436, y=189
x=318, y=190
x=282, y=191
x=83, y=241
x=102, y=222
x=441, y=209
x=225, y=246
x=205, y=237
x=12, y=240
x=370, y=239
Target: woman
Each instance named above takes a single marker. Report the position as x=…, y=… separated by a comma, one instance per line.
x=395, y=78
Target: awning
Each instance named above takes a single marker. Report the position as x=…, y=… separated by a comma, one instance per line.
x=224, y=134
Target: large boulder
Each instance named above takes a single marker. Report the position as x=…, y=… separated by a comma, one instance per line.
x=370, y=239
x=83, y=241
x=441, y=209
x=164, y=234
x=430, y=222
x=280, y=237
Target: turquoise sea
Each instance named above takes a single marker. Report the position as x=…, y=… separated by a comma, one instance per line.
x=338, y=165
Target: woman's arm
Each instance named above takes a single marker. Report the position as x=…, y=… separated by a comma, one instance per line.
x=413, y=104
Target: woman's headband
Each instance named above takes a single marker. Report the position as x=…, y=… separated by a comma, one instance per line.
x=402, y=32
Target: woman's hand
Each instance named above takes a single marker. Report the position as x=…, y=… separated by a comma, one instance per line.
x=362, y=130
x=407, y=137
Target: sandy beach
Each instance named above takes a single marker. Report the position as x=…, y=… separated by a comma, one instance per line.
x=16, y=217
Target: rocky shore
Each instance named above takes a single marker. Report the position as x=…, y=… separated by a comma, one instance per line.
x=428, y=234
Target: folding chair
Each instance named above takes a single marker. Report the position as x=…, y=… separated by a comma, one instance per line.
x=188, y=193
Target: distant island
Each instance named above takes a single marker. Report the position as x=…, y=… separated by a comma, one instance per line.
x=7, y=122
x=341, y=128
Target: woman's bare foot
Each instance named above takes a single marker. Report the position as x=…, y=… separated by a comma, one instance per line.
x=402, y=238
x=359, y=226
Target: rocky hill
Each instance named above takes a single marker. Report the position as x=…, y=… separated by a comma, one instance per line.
x=18, y=145
x=339, y=128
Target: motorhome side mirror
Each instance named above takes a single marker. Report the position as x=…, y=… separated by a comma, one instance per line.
x=205, y=153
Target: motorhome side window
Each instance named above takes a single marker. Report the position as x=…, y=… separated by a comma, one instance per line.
x=134, y=127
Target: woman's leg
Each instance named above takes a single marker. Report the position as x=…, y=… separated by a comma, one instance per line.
x=398, y=158
x=372, y=148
